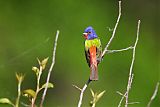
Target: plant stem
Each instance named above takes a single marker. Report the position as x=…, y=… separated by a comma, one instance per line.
x=19, y=94
x=94, y=105
x=38, y=86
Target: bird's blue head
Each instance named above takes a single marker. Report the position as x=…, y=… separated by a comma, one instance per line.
x=89, y=33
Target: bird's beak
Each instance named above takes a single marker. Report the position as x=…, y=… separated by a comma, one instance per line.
x=85, y=35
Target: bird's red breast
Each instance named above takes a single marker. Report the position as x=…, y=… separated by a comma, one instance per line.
x=93, y=63
x=92, y=51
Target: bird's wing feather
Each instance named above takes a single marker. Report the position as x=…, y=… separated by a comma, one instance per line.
x=98, y=50
x=98, y=54
x=87, y=57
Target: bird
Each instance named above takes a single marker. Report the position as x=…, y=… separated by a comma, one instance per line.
x=93, y=51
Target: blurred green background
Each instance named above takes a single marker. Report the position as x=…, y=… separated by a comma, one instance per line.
x=27, y=31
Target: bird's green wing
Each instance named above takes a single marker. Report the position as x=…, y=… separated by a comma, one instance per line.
x=99, y=50
x=87, y=54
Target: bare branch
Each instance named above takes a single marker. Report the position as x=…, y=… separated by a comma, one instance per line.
x=130, y=79
x=154, y=95
x=50, y=70
x=114, y=31
x=120, y=50
x=134, y=103
x=123, y=96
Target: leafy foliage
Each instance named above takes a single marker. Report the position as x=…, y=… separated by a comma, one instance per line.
x=29, y=93
x=96, y=96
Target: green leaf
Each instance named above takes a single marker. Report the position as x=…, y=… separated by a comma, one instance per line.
x=96, y=97
x=29, y=93
x=100, y=95
x=50, y=85
x=44, y=62
x=6, y=101
x=92, y=92
x=36, y=70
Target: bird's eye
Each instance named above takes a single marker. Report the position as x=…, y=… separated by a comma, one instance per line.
x=89, y=32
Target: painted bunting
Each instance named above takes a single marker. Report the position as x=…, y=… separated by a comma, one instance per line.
x=93, y=51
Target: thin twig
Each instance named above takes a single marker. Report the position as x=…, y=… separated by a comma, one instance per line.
x=114, y=31
x=134, y=103
x=25, y=105
x=130, y=79
x=123, y=96
x=120, y=93
x=120, y=50
x=154, y=95
x=50, y=70
x=76, y=87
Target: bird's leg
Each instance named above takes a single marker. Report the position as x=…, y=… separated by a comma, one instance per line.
x=99, y=60
x=88, y=81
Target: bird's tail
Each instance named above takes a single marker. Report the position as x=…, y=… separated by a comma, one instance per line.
x=93, y=72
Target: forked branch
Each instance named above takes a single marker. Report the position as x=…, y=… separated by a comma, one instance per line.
x=113, y=33
x=130, y=77
x=82, y=92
